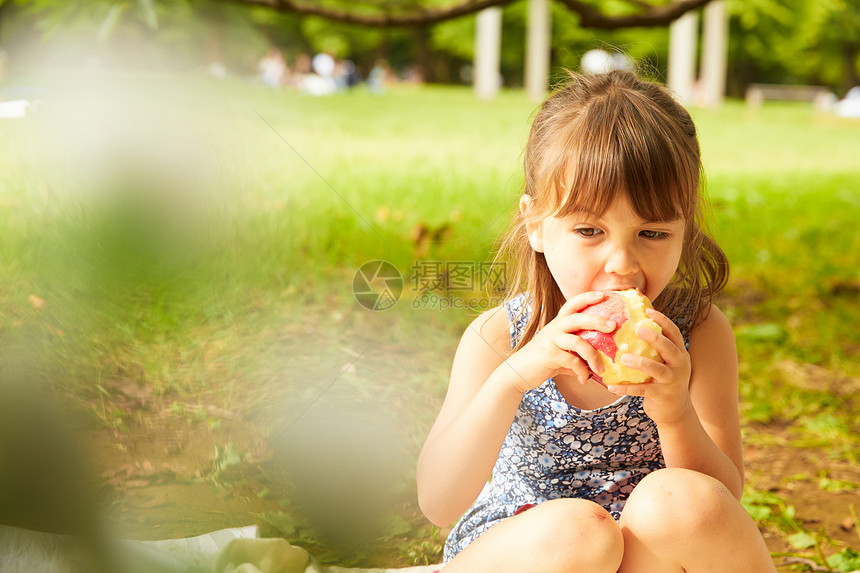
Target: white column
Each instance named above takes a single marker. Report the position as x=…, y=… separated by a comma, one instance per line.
x=682, y=56
x=538, y=49
x=488, y=46
x=715, y=36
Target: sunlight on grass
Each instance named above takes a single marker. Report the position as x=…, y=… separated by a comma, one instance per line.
x=273, y=192
x=201, y=237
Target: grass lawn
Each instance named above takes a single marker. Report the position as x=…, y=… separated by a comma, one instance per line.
x=177, y=262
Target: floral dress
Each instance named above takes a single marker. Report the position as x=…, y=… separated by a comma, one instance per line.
x=554, y=450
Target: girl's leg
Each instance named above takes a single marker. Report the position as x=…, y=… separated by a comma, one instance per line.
x=557, y=536
x=680, y=520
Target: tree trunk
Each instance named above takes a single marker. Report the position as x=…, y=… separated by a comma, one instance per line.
x=213, y=41
x=850, y=51
x=421, y=44
x=4, y=10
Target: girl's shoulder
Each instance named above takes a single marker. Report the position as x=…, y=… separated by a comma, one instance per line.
x=499, y=326
x=483, y=347
x=714, y=327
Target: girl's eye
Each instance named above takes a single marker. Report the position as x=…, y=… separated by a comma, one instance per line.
x=587, y=231
x=654, y=234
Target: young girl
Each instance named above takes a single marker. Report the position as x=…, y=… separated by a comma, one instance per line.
x=629, y=478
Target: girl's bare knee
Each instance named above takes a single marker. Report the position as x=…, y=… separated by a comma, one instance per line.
x=579, y=532
x=675, y=500
x=557, y=536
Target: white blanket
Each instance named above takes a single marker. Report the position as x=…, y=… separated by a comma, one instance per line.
x=237, y=550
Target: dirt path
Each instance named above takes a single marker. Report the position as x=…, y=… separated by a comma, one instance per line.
x=176, y=472
x=825, y=494
x=183, y=463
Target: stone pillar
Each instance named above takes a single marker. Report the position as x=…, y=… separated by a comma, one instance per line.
x=683, y=34
x=538, y=46
x=715, y=43
x=488, y=46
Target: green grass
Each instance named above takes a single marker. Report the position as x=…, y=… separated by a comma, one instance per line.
x=278, y=197
x=313, y=187
x=202, y=236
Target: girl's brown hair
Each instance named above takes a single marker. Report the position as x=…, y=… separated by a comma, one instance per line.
x=595, y=138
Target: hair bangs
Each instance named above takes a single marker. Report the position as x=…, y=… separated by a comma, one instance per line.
x=614, y=149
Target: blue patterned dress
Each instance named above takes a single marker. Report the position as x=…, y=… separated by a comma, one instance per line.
x=554, y=450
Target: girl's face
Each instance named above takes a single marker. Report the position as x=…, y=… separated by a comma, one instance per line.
x=617, y=250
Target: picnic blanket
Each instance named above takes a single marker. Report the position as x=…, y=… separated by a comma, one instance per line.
x=235, y=550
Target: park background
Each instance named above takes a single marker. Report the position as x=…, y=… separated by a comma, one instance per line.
x=181, y=241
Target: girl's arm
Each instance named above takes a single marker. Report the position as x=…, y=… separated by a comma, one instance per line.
x=462, y=447
x=708, y=439
x=693, y=398
x=487, y=385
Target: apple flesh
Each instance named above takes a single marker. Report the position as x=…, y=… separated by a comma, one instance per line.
x=627, y=309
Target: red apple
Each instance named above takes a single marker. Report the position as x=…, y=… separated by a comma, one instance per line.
x=627, y=309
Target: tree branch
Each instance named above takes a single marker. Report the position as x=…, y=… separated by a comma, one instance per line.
x=590, y=15
x=640, y=3
x=419, y=18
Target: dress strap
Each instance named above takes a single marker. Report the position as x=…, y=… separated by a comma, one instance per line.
x=518, y=317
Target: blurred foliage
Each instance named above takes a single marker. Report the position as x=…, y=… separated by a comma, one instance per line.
x=804, y=41
x=456, y=38
x=129, y=34
x=159, y=234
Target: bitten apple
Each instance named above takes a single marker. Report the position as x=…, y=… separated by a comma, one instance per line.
x=627, y=309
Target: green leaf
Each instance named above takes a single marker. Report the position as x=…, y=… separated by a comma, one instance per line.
x=760, y=412
x=801, y=540
x=110, y=21
x=753, y=497
x=393, y=525
x=285, y=525
x=845, y=560
x=148, y=7
x=835, y=485
x=826, y=426
x=766, y=332
x=758, y=512
x=227, y=457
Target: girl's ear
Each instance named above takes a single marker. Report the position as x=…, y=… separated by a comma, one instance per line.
x=534, y=227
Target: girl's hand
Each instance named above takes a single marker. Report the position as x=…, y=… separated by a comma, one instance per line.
x=667, y=396
x=554, y=350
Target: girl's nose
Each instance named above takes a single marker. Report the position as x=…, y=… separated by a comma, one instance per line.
x=621, y=261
